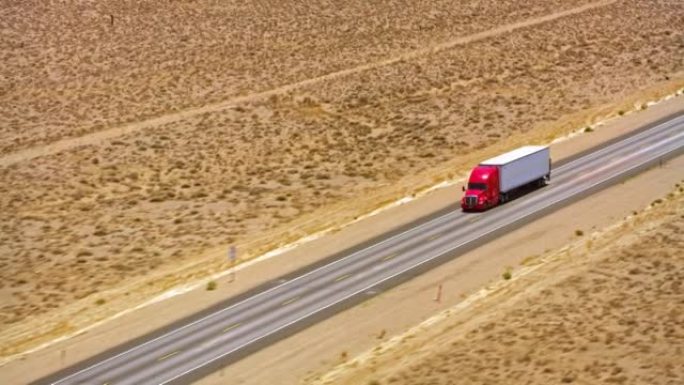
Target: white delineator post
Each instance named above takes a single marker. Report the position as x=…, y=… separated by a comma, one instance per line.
x=438, y=296
x=232, y=256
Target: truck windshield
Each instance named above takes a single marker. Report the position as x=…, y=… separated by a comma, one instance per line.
x=477, y=186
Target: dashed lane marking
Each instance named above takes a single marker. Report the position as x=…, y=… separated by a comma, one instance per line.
x=432, y=238
x=342, y=277
x=231, y=327
x=162, y=358
x=289, y=301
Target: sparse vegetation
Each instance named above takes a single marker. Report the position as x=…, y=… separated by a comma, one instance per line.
x=579, y=232
x=84, y=253
x=211, y=285
x=319, y=152
x=529, y=260
x=618, y=297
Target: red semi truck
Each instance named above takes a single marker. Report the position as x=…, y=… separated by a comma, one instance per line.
x=497, y=179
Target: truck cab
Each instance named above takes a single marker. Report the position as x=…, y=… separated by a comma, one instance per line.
x=483, y=189
x=501, y=178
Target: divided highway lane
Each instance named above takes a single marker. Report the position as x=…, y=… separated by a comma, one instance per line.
x=184, y=353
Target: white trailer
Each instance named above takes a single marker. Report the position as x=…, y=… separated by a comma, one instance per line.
x=522, y=166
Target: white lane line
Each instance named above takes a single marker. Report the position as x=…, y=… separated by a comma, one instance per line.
x=615, y=148
x=543, y=206
x=553, y=202
x=261, y=294
x=622, y=143
x=137, y=347
x=624, y=158
x=535, y=199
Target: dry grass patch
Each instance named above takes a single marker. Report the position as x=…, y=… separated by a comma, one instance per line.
x=69, y=70
x=269, y=170
x=606, y=316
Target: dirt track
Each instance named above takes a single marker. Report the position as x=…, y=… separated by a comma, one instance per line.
x=99, y=226
x=111, y=133
x=606, y=310
x=69, y=76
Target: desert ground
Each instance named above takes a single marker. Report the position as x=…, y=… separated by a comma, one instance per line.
x=135, y=148
x=605, y=309
x=393, y=312
x=72, y=69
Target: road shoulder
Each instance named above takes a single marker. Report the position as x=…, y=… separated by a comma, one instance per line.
x=295, y=358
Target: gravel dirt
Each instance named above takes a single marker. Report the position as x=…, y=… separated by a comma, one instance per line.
x=605, y=309
x=135, y=148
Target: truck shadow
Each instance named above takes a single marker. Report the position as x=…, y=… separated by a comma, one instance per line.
x=523, y=191
x=512, y=197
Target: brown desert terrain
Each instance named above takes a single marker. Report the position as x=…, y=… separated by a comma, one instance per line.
x=135, y=148
x=393, y=312
x=606, y=309
x=72, y=68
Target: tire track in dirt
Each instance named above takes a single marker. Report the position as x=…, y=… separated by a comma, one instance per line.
x=96, y=137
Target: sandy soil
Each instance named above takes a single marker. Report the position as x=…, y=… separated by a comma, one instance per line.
x=71, y=69
x=607, y=309
x=101, y=223
x=390, y=313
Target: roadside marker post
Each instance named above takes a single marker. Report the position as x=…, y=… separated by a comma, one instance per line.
x=438, y=296
x=232, y=257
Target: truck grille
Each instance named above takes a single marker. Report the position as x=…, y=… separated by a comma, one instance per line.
x=470, y=201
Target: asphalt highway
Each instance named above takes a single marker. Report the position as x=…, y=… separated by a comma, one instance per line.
x=198, y=346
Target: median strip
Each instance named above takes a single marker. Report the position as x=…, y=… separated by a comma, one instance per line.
x=388, y=257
